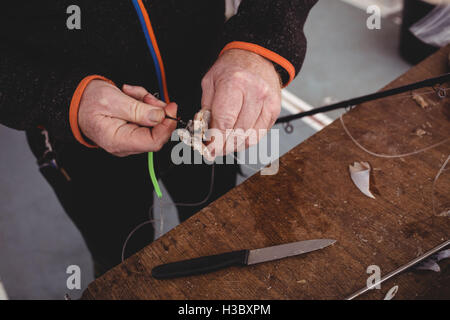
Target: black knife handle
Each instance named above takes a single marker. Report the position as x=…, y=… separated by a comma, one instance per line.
x=201, y=265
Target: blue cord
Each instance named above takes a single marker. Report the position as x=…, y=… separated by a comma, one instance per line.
x=151, y=166
x=152, y=50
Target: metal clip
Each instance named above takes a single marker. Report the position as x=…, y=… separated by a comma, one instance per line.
x=441, y=92
x=288, y=128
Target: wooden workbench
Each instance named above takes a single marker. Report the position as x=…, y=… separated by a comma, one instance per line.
x=312, y=196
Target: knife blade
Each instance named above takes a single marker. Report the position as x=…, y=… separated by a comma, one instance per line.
x=237, y=258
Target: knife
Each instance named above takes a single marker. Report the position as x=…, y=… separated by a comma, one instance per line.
x=237, y=258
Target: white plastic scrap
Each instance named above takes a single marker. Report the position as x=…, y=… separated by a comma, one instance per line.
x=391, y=293
x=444, y=254
x=195, y=132
x=431, y=263
x=360, y=174
x=445, y=213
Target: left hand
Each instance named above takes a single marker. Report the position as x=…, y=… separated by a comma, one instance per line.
x=243, y=91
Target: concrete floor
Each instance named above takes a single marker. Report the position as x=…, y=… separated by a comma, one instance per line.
x=37, y=240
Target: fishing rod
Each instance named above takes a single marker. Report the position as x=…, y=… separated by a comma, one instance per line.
x=374, y=96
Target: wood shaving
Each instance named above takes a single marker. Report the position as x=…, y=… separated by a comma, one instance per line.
x=444, y=254
x=360, y=174
x=431, y=263
x=420, y=101
x=420, y=132
x=391, y=293
x=445, y=213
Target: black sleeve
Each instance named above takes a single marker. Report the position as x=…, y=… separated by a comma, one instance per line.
x=276, y=25
x=35, y=93
x=40, y=67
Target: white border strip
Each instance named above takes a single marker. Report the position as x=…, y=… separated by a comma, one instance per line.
x=3, y=295
x=295, y=105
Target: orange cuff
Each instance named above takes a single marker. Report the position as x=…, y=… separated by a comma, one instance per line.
x=270, y=55
x=75, y=105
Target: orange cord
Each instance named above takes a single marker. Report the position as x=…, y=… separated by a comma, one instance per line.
x=156, y=48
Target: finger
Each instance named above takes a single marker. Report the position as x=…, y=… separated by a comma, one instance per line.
x=135, y=111
x=253, y=103
x=263, y=124
x=141, y=94
x=151, y=99
x=136, y=92
x=129, y=138
x=207, y=92
x=162, y=132
x=251, y=108
x=226, y=105
x=133, y=139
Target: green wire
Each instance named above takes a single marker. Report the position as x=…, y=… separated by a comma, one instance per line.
x=151, y=170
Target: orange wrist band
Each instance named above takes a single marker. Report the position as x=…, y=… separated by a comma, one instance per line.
x=75, y=105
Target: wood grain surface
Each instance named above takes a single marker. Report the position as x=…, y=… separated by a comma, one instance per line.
x=312, y=196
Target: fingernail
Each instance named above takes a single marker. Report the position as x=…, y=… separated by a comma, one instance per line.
x=156, y=115
x=126, y=86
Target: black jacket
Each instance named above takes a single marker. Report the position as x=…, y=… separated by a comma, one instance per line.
x=42, y=61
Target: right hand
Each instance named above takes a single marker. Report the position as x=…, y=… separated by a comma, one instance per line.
x=120, y=122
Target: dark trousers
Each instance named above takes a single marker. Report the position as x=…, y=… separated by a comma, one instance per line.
x=107, y=197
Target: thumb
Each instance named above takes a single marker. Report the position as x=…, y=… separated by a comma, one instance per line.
x=138, y=112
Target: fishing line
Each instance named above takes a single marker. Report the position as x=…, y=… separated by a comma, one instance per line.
x=211, y=187
x=443, y=92
x=388, y=156
x=166, y=204
x=184, y=204
x=244, y=164
x=434, y=183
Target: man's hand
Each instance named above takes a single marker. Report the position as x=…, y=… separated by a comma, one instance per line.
x=243, y=91
x=119, y=121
